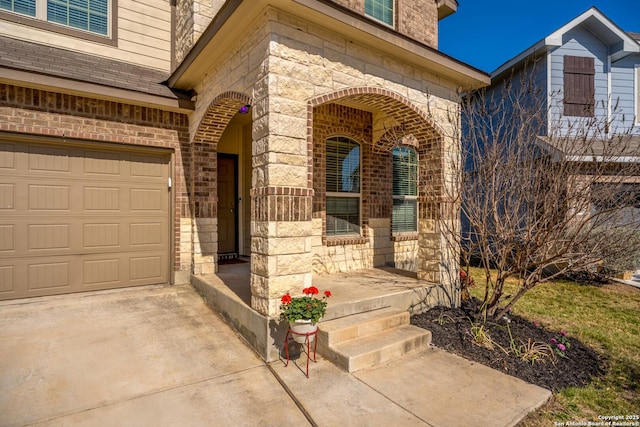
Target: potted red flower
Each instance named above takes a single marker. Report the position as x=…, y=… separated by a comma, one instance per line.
x=303, y=313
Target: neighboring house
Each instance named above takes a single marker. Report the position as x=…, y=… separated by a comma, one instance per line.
x=142, y=141
x=588, y=75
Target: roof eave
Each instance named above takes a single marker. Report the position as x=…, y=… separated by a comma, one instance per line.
x=93, y=90
x=340, y=20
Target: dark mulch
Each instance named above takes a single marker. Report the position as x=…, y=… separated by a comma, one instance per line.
x=451, y=329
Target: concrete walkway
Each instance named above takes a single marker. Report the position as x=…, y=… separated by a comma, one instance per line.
x=158, y=356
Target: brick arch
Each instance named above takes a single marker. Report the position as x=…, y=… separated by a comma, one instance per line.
x=384, y=100
x=219, y=112
x=411, y=120
x=204, y=148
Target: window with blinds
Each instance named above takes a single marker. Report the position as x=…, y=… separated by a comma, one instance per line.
x=382, y=10
x=579, y=86
x=405, y=190
x=342, y=186
x=24, y=7
x=87, y=15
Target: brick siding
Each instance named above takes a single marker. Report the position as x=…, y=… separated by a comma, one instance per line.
x=45, y=113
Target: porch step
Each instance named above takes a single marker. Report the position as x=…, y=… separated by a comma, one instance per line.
x=367, y=339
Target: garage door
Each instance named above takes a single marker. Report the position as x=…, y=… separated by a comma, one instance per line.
x=75, y=218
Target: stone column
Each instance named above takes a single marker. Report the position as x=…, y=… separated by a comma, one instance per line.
x=281, y=198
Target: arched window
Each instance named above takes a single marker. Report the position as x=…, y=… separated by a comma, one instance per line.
x=342, y=186
x=405, y=190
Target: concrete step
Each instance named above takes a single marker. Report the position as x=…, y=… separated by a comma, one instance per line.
x=334, y=332
x=370, y=350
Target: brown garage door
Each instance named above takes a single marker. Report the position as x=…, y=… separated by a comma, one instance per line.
x=76, y=218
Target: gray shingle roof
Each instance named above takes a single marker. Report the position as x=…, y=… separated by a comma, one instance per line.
x=57, y=62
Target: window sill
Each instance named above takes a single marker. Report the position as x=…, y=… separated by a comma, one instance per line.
x=345, y=240
x=404, y=237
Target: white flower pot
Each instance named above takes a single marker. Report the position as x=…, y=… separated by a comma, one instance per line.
x=301, y=328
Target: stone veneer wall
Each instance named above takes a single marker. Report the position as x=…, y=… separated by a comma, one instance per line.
x=285, y=65
x=191, y=19
x=39, y=112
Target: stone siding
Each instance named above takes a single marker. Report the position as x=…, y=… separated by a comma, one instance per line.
x=295, y=72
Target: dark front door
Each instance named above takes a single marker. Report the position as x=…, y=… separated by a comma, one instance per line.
x=227, y=209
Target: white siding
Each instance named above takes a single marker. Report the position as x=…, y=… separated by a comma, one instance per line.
x=579, y=42
x=624, y=91
x=143, y=37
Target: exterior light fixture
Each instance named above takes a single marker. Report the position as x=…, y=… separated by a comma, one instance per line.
x=244, y=109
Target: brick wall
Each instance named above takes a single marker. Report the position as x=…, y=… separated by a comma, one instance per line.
x=337, y=120
x=417, y=19
x=39, y=112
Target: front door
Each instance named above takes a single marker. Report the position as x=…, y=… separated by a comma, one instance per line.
x=227, y=212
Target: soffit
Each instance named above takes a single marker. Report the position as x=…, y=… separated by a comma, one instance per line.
x=231, y=22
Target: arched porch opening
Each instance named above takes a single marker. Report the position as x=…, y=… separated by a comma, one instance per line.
x=228, y=108
x=379, y=120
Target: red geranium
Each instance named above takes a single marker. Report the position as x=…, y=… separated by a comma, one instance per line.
x=307, y=307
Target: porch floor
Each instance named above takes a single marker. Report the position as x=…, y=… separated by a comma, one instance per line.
x=347, y=289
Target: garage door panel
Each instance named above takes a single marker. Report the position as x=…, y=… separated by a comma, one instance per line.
x=102, y=163
x=147, y=166
x=146, y=269
x=48, y=197
x=78, y=218
x=101, y=235
x=49, y=159
x=101, y=198
x=7, y=196
x=147, y=199
x=7, y=155
x=142, y=234
x=101, y=272
x=48, y=275
x=6, y=238
x=49, y=236
x=7, y=283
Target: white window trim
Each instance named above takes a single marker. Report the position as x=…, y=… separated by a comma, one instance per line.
x=40, y=21
x=348, y=194
x=408, y=197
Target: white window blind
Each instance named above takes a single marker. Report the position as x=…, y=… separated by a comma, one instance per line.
x=87, y=15
x=25, y=7
x=342, y=186
x=405, y=190
x=382, y=10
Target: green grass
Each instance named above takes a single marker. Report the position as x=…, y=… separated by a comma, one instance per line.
x=605, y=318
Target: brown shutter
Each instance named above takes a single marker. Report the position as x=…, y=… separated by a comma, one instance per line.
x=579, y=86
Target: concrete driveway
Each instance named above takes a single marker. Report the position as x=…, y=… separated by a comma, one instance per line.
x=141, y=356
x=158, y=356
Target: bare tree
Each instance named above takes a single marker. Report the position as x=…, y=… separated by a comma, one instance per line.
x=541, y=201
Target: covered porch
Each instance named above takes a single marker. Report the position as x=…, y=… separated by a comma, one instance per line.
x=353, y=293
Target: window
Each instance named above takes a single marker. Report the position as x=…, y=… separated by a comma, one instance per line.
x=579, y=86
x=86, y=15
x=343, y=186
x=405, y=190
x=382, y=10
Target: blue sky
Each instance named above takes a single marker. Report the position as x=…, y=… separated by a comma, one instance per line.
x=487, y=33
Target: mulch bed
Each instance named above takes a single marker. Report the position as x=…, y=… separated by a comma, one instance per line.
x=451, y=329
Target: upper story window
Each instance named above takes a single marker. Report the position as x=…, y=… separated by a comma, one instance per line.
x=579, y=86
x=405, y=190
x=86, y=15
x=342, y=186
x=382, y=10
